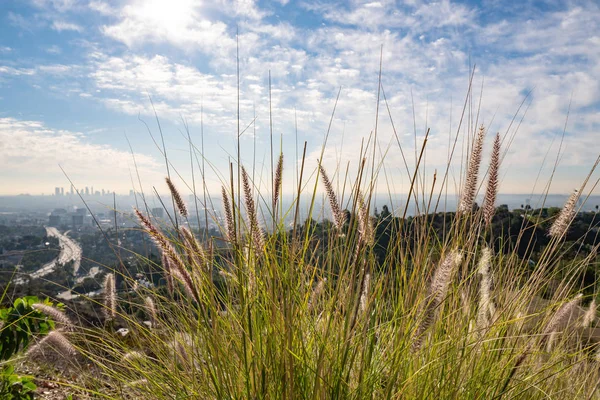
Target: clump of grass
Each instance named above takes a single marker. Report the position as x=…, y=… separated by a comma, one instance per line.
x=369, y=306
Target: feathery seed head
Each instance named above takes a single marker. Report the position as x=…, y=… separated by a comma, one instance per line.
x=110, y=297
x=489, y=202
x=151, y=310
x=229, y=226
x=56, y=315
x=436, y=294
x=277, y=181
x=133, y=356
x=339, y=218
x=365, y=227
x=560, y=321
x=364, y=297
x=316, y=293
x=590, y=315
x=565, y=217
x=56, y=341
x=193, y=247
x=255, y=231
x=181, y=207
x=470, y=188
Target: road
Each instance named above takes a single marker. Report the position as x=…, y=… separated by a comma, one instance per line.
x=69, y=251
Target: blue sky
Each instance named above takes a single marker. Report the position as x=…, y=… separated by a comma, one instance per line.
x=76, y=77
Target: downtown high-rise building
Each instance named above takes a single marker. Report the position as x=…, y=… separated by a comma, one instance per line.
x=57, y=191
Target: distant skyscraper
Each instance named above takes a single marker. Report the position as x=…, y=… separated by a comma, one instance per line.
x=62, y=191
x=72, y=190
x=57, y=191
x=102, y=192
x=87, y=191
x=92, y=190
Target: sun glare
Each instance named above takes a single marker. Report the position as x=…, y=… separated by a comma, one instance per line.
x=167, y=14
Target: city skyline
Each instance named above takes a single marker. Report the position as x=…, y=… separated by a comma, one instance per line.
x=82, y=80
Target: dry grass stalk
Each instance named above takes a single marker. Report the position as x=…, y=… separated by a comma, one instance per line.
x=277, y=182
x=181, y=207
x=339, y=218
x=229, y=225
x=565, y=217
x=110, y=297
x=56, y=315
x=470, y=189
x=255, y=232
x=489, y=202
x=56, y=341
x=436, y=294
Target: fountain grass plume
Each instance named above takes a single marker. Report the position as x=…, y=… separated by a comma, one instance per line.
x=365, y=227
x=590, y=314
x=179, y=271
x=277, y=182
x=110, y=297
x=56, y=341
x=489, y=202
x=470, y=189
x=316, y=293
x=157, y=236
x=172, y=262
x=181, y=207
x=364, y=296
x=193, y=247
x=438, y=290
x=229, y=225
x=166, y=264
x=560, y=321
x=133, y=356
x=151, y=311
x=565, y=217
x=339, y=218
x=255, y=232
x=486, y=308
x=56, y=315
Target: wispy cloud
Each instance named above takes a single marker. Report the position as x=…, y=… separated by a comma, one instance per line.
x=66, y=26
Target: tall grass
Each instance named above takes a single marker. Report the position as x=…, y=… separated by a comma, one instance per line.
x=313, y=314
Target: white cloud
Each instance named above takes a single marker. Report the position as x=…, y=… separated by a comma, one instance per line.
x=59, y=5
x=61, y=26
x=178, y=23
x=32, y=152
x=102, y=7
x=54, y=49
